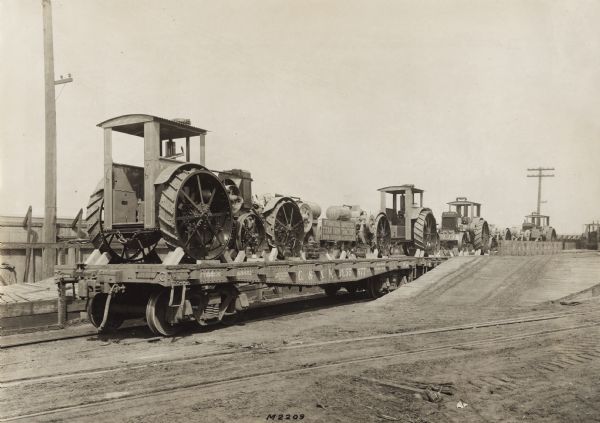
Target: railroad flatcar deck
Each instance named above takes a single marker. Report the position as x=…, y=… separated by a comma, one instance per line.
x=287, y=273
x=208, y=292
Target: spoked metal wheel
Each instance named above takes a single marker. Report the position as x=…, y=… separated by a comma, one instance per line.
x=285, y=227
x=195, y=214
x=463, y=241
x=95, y=312
x=481, y=238
x=250, y=232
x=157, y=311
x=125, y=245
x=425, y=232
x=383, y=234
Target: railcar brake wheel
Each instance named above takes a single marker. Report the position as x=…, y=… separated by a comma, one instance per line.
x=156, y=314
x=95, y=312
x=195, y=214
x=124, y=246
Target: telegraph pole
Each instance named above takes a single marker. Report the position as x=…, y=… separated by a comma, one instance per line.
x=540, y=174
x=49, y=229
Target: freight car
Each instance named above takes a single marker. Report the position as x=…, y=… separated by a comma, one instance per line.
x=203, y=215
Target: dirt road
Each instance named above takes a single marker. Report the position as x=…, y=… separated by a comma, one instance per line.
x=482, y=332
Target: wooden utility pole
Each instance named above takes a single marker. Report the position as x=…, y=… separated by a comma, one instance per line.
x=49, y=229
x=540, y=174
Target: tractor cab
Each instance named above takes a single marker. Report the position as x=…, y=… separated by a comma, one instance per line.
x=536, y=227
x=460, y=212
x=591, y=235
x=132, y=188
x=463, y=227
x=401, y=204
x=403, y=223
x=536, y=220
x=171, y=197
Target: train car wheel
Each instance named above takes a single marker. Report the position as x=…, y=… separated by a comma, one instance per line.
x=375, y=287
x=331, y=290
x=95, y=312
x=156, y=314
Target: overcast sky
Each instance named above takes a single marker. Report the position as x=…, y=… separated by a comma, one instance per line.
x=326, y=100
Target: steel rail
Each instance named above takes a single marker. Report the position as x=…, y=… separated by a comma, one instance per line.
x=293, y=370
x=231, y=351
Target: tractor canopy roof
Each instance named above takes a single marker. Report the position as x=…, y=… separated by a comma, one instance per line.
x=534, y=214
x=462, y=201
x=134, y=125
x=400, y=189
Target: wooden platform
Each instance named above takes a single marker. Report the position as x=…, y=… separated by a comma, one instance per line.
x=31, y=305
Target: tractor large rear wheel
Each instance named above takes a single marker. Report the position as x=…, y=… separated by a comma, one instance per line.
x=481, y=236
x=284, y=226
x=383, y=234
x=425, y=232
x=195, y=214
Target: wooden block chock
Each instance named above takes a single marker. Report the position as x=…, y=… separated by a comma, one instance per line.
x=93, y=257
x=273, y=254
x=174, y=257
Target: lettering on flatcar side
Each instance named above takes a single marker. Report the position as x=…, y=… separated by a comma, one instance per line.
x=211, y=274
x=346, y=272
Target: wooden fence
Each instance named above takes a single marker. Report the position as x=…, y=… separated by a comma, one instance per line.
x=528, y=248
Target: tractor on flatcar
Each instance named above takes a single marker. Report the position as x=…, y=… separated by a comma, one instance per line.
x=403, y=225
x=178, y=201
x=536, y=227
x=463, y=227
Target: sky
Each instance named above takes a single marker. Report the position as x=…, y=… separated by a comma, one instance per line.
x=327, y=100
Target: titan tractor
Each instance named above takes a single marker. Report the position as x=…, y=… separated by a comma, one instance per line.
x=249, y=228
x=284, y=223
x=536, y=227
x=463, y=227
x=170, y=198
x=403, y=224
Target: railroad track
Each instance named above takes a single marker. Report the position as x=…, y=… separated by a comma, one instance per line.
x=255, y=377
x=237, y=351
x=262, y=311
